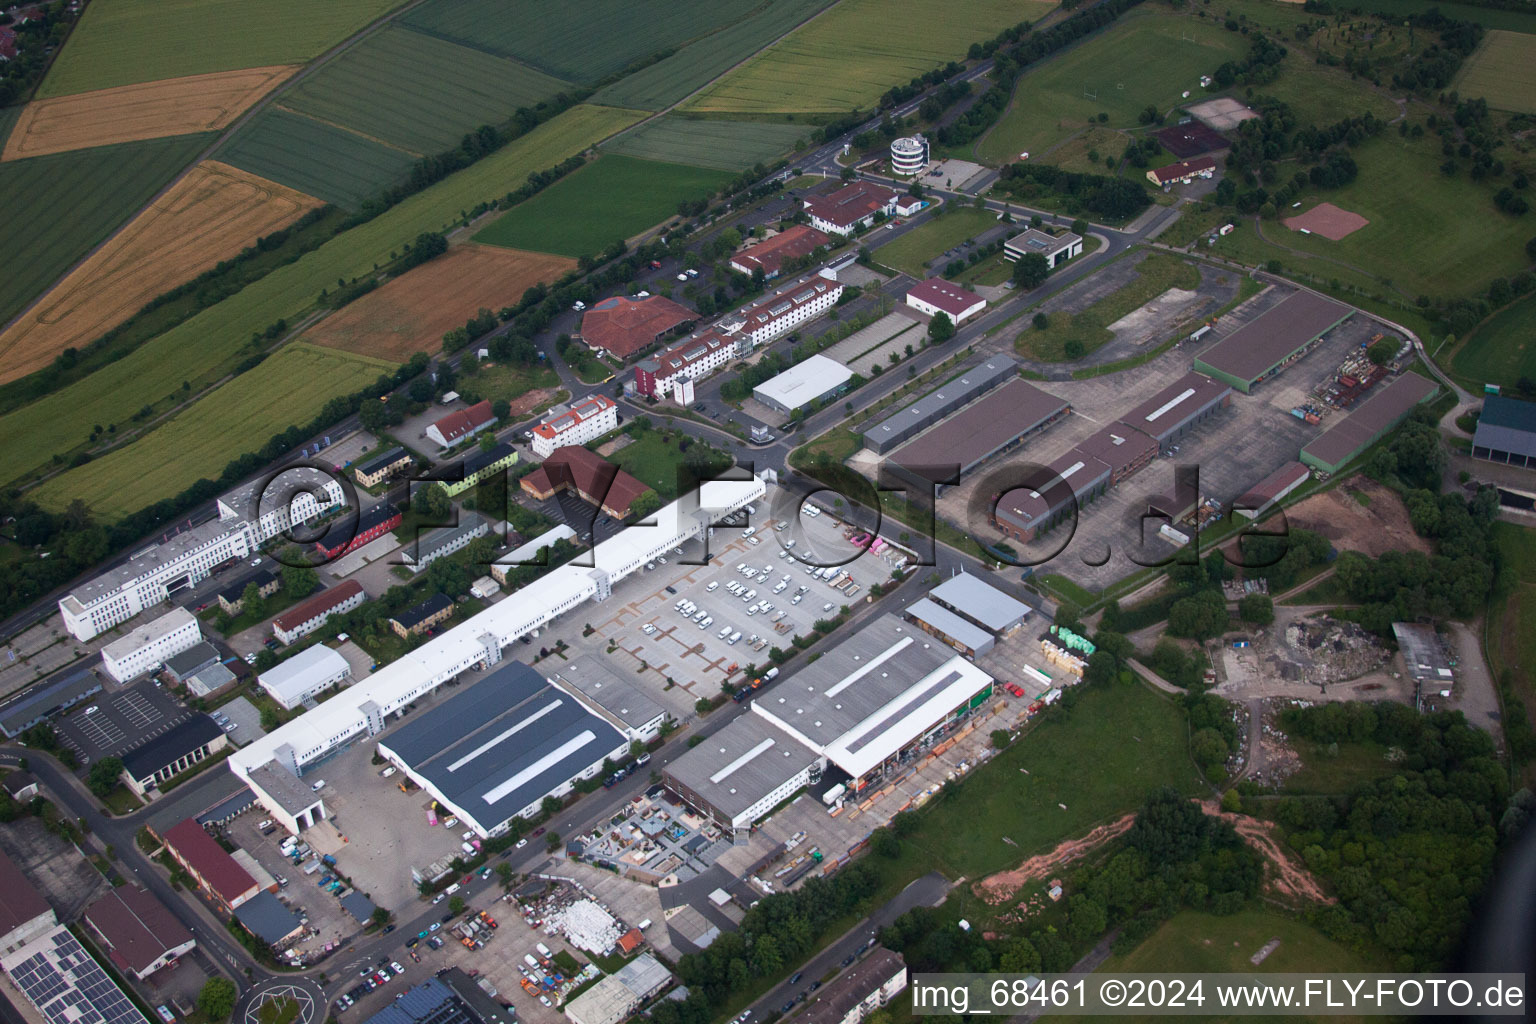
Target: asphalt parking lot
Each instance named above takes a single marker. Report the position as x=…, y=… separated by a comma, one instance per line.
x=301, y=894
x=120, y=722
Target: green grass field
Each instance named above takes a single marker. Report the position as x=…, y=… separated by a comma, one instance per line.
x=1090, y=328
x=120, y=42
x=1502, y=349
x=1511, y=632
x=1325, y=769
x=1101, y=760
x=296, y=382
x=911, y=252
x=580, y=40
x=1502, y=71
x=856, y=51
x=700, y=62
x=1059, y=96
x=68, y=202
x=612, y=198
x=1444, y=239
x=319, y=159
x=1194, y=942
x=1086, y=151
x=724, y=145
x=204, y=347
x=418, y=92
x=653, y=461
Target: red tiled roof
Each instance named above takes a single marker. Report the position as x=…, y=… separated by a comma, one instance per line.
x=850, y=204
x=679, y=356
x=462, y=422
x=624, y=326
x=223, y=874
x=20, y=901
x=630, y=941
x=317, y=605
x=799, y=240
x=1184, y=168
x=573, y=466
x=592, y=405
x=137, y=927
x=950, y=298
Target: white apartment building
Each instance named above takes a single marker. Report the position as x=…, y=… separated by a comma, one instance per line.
x=586, y=420
x=694, y=359
x=149, y=645
x=249, y=516
x=785, y=310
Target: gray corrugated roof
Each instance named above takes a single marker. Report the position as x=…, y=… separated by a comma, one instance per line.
x=779, y=757
x=950, y=624
x=40, y=699
x=503, y=743
x=980, y=601
x=906, y=422
x=265, y=917
x=1507, y=426
x=613, y=693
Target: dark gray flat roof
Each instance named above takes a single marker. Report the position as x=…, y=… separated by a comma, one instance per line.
x=1377, y=413
x=503, y=744
x=610, y=691
x=903, y=423
x=144, y=760
x=741, y=764
x=266, y=918
x=1175, y=404
x=1251, y=350
x=982, y=427
x=42, y=699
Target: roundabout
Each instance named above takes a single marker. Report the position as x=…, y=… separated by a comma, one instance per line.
x=283, y=1001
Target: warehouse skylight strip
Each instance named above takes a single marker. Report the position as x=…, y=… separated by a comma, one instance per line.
x=499, y=737
x=905, y=710
x=763, y=746
x=885, y=656
x=540, y=766
x=1171, y=404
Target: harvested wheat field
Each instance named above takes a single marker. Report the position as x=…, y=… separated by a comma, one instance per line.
x=412, y=312
x=128, y=113
x=209, y=215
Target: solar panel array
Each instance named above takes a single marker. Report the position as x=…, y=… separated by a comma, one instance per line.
x=69, y=986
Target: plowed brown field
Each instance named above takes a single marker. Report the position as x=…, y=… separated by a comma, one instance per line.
x=210, y=215
x=152, y=110
x=412, y=312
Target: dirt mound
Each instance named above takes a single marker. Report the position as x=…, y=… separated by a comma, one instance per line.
x=1001, y=887
x=1290, y=881
x=1373, y=526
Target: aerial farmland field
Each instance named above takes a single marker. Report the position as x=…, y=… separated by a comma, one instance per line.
x=120, y=42
x=856, y=51
x=289, y=388
x=702, y=61
x=128, y=113
x=1502, y=349
x=418, y=92
x=319, y=159
x=210, y=214
x=613, y=198
x=411, y=313
x=73, y=201
x=1063, y=93
x=205, y=347
x=725, y=145
x=1502, y=70
x=579, y=40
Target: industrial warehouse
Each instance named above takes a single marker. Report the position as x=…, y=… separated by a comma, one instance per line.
x=906, y=423
x=868, y=706
x=1368, y=424
x=495, y=751
x=364, y=708
x=1273, y=340
x=993, y=424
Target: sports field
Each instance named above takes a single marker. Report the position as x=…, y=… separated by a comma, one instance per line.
x=615, y=197
x=202, y=348
x=418, y=92
x=319, y=159
x=702, y=61
x=73, y=201
x=724, y=145
x=209, y=215
x=412, y=312
x=911, y=252
x=289, y=388
x=128, y=113
x=579, y=40
x=1062, y=94
x=1445, y=240
x=1502, y=349
x=1502, y=70
x=120, y=42
x=857, y=50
